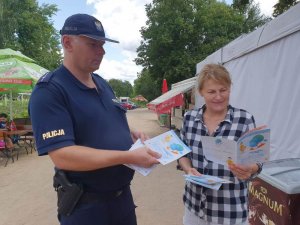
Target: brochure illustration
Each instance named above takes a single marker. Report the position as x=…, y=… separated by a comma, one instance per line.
x=167, y=144
x=208, y=181
x=252, y=147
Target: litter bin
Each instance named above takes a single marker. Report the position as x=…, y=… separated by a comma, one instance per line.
x=168, y=121
x=163, y=119
x=274, y=196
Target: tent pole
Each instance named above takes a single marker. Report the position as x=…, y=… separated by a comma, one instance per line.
x=10, y=105
x=5, y=99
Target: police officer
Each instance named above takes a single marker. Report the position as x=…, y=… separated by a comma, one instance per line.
x=78, y=122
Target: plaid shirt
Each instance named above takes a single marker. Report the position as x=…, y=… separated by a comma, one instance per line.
x=229, y=204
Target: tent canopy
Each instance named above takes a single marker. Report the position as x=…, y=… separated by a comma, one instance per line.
x=280, y=27
x=172, y=98
x=265, y=74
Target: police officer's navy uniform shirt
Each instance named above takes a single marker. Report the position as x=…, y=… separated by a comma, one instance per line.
x=64, y=112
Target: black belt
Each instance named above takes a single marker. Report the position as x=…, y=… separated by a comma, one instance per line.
x=89, y=197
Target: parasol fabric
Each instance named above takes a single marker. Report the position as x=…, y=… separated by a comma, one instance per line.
x=18, y=73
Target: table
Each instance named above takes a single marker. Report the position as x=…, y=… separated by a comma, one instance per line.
x=7, y=153
x=16, y=132
x=24, y=135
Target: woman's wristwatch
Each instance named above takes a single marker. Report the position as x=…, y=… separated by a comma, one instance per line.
x=260, y=166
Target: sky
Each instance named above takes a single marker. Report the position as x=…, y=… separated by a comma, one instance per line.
x=122, y=21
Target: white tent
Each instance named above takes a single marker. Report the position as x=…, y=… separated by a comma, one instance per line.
x=266, y=79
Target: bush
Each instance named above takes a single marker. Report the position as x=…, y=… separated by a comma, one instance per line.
x=140, y=104
x=19, y=108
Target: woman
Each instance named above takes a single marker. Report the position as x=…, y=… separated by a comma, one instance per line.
x=4, y=125
x=229, y=204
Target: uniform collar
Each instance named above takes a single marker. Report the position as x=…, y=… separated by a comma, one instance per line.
x=78, y=83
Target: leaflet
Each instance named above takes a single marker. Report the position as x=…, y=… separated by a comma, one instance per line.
x=142, y=170
x=208, y=181
x=167, y=144
x=253, y=147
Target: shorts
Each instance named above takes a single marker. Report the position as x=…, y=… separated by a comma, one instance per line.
x=118, y=211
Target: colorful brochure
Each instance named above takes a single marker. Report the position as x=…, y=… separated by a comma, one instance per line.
x=252, y=147
x=167, y=144
x=141, y=170
x=208, y=181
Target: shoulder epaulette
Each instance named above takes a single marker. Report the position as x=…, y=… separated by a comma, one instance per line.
x=45, y=78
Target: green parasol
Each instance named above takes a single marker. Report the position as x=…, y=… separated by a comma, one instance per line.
x=18, y=73
x=9, y=53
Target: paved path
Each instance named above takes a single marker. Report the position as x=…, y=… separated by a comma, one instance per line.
x=158, y=195
x=27, y=196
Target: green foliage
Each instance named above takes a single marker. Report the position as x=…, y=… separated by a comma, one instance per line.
x=121, y=88
x=252, y=17
x=240, y=4
x=145, y=85
x=179, y=34
x=167, y=46
x=26, y=27
x=282, y=6
x=140, y=104
x=19, y=108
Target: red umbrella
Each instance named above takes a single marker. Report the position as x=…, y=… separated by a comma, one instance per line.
x=164, y=88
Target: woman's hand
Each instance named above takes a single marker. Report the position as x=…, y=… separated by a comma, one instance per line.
x=243, y=172
x=186, y=165
x=193, y=171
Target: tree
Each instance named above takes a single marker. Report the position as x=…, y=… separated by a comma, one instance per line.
x=178, y=34
x=163, y=52
x=240, y=5
x=282, y=6
x=252, y=17
x=145, y=85
x=26, y=27
x=121, y=88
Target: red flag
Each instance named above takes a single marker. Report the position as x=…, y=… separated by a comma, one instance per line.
x=164, y=88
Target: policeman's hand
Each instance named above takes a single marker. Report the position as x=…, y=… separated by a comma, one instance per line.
x=243, y=172
x=144, y=157
x=138, y=135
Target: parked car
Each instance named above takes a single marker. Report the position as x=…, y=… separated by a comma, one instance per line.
x=126, y=105
x=133, y=105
